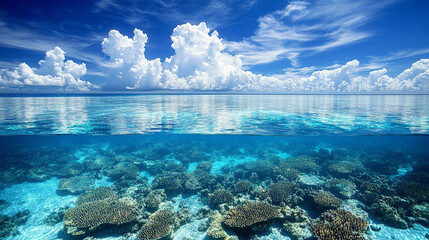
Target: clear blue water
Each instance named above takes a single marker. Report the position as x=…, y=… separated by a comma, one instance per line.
x=300, y=115
x=384, y=139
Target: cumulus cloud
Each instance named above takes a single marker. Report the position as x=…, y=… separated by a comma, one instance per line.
x=200, y=62
x=53, y=71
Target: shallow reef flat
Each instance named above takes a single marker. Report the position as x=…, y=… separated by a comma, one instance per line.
x=199, y=187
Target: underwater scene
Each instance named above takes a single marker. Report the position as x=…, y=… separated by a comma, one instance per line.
x=203, y=167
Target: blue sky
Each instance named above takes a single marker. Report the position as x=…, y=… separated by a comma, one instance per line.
x=251, y=46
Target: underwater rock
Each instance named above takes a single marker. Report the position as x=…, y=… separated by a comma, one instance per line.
x=159, y=225
x=76, y=185
x=3, y=204
x=281, y=191
x=220, y=196
x=338, y=224
x=388, y=215
x=297, y=223
x=215, y=230
x=55, y=217
x=9, y=225
x=251, y=217
x=89, y=216
x=124, y=171
x=342, y=188
x=313, y=181
x=421, y=213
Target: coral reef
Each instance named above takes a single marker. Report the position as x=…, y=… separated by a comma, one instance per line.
x=55, y=217
x=417, y=191
x=323, y=200
x=87, y=217
x=342, y=168
x=76, y=185
x=204, y=166
x=251, y=217
x=220, y=196
x=159, y=225
x=279, y=192
x=297, y=223
x=301, y=163
x=388, y=214
x=124, y=171
x=338, y=224
x=9, y=225
x=243, y=186
x=98, y=194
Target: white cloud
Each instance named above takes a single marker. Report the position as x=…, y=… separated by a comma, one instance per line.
x=130, y=68
x=200, y=62
x=53, y=72
x=306, y=27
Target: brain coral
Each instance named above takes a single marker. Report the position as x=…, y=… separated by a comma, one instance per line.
x=339, y=224
x=108, y=211
x=96, y=195
x=158, y=226
x=251, y=213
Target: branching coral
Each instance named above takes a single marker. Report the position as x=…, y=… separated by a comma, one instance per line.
x=279, y=192
x=339, y=224
x=250, y=215
x=159, y=225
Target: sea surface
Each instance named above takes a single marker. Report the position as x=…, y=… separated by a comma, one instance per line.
x=202, y=158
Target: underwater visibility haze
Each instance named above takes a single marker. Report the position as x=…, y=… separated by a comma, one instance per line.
x=214, y=167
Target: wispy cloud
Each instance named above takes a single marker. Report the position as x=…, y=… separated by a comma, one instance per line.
x=307, y=27
x=213, y=12
x=399, y=55
x=41, y=41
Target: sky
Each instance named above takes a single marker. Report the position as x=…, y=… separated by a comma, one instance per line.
x=250, y=46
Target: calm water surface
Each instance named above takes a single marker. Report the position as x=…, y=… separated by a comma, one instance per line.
x=366, y=154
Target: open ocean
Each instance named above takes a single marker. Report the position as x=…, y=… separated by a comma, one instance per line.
x=193, y=167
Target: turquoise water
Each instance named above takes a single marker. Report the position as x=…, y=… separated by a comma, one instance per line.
x=366, y=154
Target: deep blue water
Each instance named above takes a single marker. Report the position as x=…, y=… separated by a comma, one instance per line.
x=368, y=151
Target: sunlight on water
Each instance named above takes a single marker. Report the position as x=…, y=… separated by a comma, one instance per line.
x=213, y=114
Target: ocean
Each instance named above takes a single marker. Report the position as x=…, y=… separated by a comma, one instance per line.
x=200, y=167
